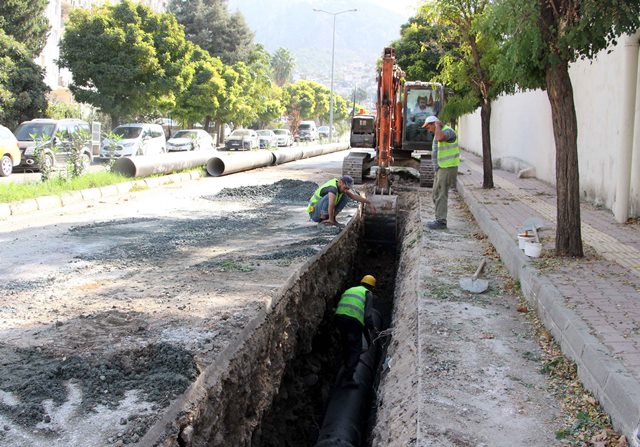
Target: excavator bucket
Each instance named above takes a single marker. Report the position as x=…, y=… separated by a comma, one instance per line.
x=381, y=226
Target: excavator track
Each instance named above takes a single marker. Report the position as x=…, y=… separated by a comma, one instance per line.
x=357, y=165
x=427, y=171
x=381, y=226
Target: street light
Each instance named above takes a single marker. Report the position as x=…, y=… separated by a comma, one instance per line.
x=333, y=50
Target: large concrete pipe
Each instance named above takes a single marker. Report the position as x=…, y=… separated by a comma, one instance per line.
x=287, y=155
x=228, y=164
x=144, y=165
x=345, y=419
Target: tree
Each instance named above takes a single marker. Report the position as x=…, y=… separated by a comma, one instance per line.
x=23, y=93
x=282, y=65
x=202, y=98
x=466, y=66
x=420, y=48
x=26, y=21
x=541, y=39
x=126, y=59
x=208, y=24
x=299, y=101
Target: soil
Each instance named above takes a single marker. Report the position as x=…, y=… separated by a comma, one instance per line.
x=111, y=310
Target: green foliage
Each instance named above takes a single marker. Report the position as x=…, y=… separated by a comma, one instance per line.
x=112, y=139
x=44, y=154
x=282, y=65
x=299, y=98
x=208, y=24
x=22, y=88
x=205, y=94
x=420, y=47
x=126, y=59
x=534, y=39
x=11, y=192
x=26, y=22
x=60, y=110
x=78, y=162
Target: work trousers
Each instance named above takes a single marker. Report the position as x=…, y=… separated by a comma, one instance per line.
x=445, y=179
x=321, y=209
x=351, y=337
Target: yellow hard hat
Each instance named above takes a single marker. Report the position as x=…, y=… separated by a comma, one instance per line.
x=368, y=279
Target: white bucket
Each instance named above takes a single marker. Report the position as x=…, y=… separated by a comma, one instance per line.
x=523, y=239
x=533, y=249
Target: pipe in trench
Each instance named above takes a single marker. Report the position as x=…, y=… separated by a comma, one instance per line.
x=347, y=412
x=145, y=165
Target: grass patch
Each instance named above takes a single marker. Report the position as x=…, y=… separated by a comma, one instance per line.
x=12, y=192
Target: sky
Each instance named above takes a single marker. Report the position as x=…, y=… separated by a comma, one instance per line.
x=405, y=7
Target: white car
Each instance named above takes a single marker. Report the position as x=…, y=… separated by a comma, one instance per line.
x=242, y=140
x=135, y=139
x=266, y=138
x=190, y=140
x=283, y=137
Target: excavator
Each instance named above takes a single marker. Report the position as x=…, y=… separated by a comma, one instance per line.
x=396, y=133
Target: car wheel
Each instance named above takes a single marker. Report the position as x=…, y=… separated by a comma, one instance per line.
x=49, y=161
x=86, y=162
x=6, y=166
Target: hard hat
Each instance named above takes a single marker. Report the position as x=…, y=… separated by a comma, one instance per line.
x=368, y=279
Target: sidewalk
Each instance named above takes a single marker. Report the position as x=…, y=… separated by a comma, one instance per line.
x=590, y=305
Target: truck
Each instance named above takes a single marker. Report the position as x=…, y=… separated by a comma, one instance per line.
x=396, y=134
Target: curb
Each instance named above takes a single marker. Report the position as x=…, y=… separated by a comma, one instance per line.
x=600, y=372
x=90, y=194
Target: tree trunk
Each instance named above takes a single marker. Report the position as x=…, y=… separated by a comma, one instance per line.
x=565, y=132
x=487, y=163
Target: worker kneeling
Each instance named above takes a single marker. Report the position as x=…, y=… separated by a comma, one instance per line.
x=331, y=197
x=353, y=320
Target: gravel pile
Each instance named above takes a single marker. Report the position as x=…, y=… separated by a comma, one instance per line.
x=283, y=191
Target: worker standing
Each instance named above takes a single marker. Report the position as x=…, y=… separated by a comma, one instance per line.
x=353, y=320
x=331, y=197
x=446, y=158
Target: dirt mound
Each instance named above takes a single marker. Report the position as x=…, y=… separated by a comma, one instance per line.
x=286, y=190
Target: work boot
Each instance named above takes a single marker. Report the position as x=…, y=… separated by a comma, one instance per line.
x=437, y=224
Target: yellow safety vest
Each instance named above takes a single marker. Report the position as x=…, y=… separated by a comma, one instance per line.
x=352, y=303
x=316, y=195
x=448, y=152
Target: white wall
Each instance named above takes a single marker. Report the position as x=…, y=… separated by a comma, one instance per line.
x=521, y=127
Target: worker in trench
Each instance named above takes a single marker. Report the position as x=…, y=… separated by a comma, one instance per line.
x=353, y=319
x=331, y=197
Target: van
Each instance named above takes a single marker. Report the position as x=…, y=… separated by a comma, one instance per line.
x=55, y=137
x=135, y=139
x=307, y=131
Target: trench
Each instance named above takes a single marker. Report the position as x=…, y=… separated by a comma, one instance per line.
x=311, y=379
x=272, y=387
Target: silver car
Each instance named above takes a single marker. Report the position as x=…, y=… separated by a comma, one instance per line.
x=190, y=140
x=283, y=137
x=242, y=140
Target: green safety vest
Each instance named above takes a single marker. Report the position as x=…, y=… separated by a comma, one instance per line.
x=316, y=195
x=352, y=303
x=448, y=152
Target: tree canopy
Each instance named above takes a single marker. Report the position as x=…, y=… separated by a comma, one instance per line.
x=282, y=65
x=539, y=39
x=26, y=22
x=208, y=24
x=125, y=58
x=22, y=88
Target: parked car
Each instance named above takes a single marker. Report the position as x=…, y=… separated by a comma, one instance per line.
x=190, y=140
x=323, y=132
x=266, y=138
x=283, y=137
x=9, y=152
x=135, y=139
x=307, y=131
x=54, y=136
x=242, y=140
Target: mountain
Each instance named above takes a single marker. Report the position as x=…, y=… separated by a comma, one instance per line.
x=360, y=36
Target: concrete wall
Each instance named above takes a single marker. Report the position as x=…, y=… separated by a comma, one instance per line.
x=521, y=127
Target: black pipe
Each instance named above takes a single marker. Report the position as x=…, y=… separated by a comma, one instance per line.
x=347, y=412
